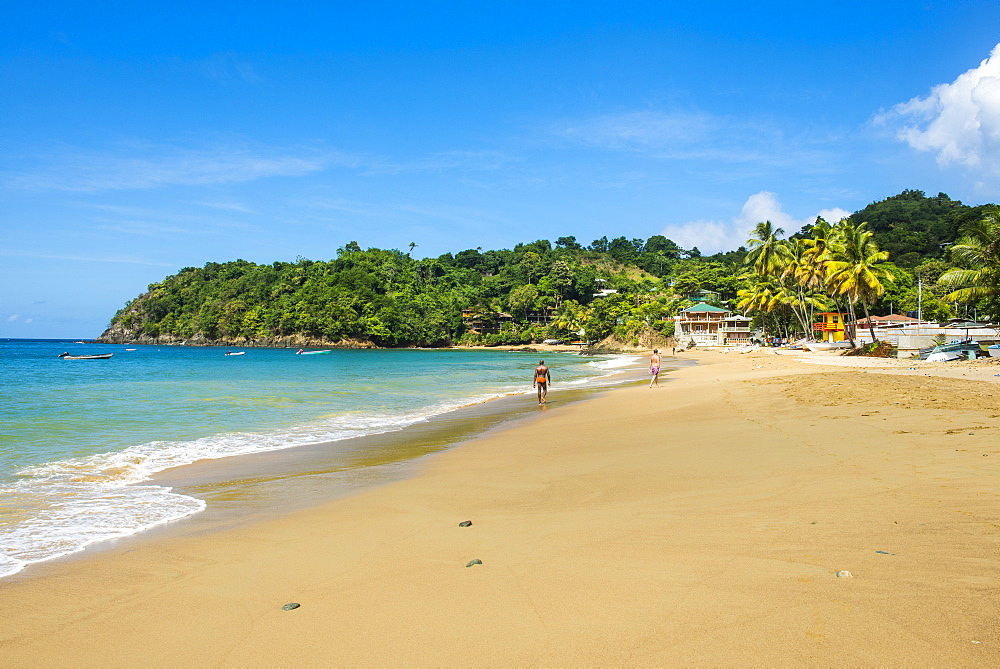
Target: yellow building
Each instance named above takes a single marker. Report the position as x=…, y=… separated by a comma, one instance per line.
x=830, y=326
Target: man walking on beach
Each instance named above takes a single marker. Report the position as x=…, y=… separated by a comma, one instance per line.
x=654, y=368
x=542, y=379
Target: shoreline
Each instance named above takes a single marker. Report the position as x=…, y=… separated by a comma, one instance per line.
x=243, y=489
x=116, y=501
x=239, y=489
x=703, y=522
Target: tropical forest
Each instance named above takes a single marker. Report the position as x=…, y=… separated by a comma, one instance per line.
x=900, y=254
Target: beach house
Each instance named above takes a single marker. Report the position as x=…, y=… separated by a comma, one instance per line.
x=830, y=326
x=707, y=325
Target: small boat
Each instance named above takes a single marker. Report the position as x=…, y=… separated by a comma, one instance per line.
x=235, y=352
x=101, y=356
x=131, y=349
x=994, y=350
x=302, y=352
x=962, y=349
x=826, y=345
x=943, y=356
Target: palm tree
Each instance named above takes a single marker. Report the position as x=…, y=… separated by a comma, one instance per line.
x=570, y=316
x=818, y=251
x=767, y=251
x=818, y=245
x=978, y=250
x=853, y=269
x=805, y=272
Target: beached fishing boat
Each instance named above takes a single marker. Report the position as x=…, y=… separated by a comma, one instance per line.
x=943, y=356
x=994, y=350
x=302, y=352
x=101, y=356
x=952, y=351
x=826, y=345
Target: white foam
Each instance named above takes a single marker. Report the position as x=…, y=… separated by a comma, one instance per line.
x=70, y=504
x=615, y=362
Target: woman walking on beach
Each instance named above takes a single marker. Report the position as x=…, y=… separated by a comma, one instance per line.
x=654, y=368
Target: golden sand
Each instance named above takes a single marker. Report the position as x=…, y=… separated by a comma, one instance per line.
x=701, y=523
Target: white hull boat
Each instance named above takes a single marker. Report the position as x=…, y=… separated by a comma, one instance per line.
x=994, y=350
x=943, y=356
x=102, y=356
x=817, y=346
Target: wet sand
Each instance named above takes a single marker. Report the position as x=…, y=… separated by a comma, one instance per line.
x=704, y=522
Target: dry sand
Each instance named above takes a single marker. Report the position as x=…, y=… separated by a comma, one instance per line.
x=702, y=523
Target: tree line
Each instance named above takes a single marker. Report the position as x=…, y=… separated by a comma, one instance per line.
x=565, y=289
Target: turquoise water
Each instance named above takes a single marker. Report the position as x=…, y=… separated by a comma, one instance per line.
x=80, y=439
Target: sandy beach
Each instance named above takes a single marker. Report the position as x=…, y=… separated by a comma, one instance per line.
x=701, y=523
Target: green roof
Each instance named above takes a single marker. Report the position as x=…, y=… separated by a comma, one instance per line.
x=705, y=307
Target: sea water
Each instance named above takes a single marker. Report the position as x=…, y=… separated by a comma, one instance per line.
x=80, y=439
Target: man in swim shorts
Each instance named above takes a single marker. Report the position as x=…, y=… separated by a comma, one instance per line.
x=542, y=379
x=654, y=368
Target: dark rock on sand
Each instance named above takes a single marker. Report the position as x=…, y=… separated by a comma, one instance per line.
x=465, y=523
x=476, y=561
x=290, y=605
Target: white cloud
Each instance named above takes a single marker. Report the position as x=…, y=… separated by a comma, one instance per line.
x=145, y=165
x=741, y=142
x=834, y=215
x=460, y=161
x=714, y=236
x=226, y=67
x=128, y=260
x=228, y=206
x=641, y=130
x=13, y=317
x=960, y=121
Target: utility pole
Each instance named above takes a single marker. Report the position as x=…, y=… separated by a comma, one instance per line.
x=920, y=304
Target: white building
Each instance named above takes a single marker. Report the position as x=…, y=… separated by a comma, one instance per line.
x=711, y=326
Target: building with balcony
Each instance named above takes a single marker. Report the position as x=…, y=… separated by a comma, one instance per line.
x=706, y=325
x=830, y=327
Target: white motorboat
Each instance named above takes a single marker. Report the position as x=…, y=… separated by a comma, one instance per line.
x=236, y=353
x=101, y=356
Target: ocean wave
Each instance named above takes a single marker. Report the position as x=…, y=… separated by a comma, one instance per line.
x=70, y=504
x=61, y=507
x=615, y=362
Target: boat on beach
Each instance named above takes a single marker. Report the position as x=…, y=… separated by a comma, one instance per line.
x=817, y=346
x=100, y=356
x=952, y=351
x=994, y=350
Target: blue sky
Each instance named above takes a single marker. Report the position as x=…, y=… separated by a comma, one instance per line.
x=140, y=138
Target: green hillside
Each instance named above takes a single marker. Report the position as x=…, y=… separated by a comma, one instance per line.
x=539, y=290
